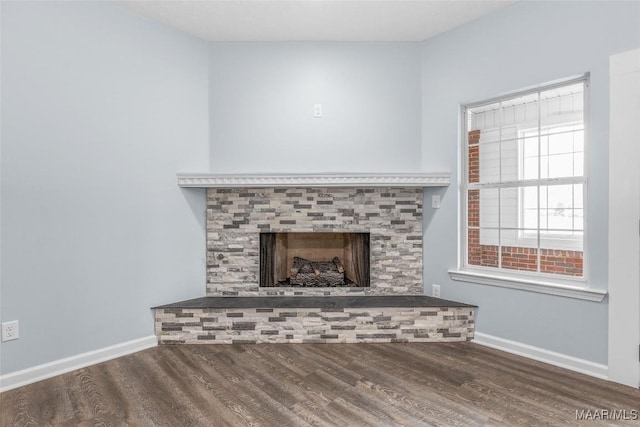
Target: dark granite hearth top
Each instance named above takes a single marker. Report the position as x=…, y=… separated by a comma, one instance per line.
x=362, y=301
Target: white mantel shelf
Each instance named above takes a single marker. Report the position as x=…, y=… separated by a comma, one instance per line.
x=211, y=180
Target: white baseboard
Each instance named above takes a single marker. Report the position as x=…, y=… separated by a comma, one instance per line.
x=541, y=355
x=57, y=367
x=51, y=369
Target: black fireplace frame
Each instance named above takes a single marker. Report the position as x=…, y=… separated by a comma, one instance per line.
x=359, y=247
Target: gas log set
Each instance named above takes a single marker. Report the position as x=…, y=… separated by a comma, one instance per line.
x=314, y=259
x=316, y=273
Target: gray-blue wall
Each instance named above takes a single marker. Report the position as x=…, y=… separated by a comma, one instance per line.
x=262, y=97
x=526, y=44
x=100, y=108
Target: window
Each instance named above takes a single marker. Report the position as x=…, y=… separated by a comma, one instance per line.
x=524, y=186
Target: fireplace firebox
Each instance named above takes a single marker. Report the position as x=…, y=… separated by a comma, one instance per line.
x=314, y=259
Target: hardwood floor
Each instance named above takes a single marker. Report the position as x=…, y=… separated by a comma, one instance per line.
x=413, y=384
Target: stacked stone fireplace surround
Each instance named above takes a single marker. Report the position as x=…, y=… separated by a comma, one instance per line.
x=235, y=219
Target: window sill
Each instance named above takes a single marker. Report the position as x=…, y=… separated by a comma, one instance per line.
x=528, y=284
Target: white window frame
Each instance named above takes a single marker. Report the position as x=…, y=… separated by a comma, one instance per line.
x=570, y=286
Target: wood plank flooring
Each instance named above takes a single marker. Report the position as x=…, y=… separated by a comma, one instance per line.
x=415, y=384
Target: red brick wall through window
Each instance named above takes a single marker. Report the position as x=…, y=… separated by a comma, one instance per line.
x=564, y=262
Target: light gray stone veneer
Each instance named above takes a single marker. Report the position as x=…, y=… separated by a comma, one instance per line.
x=237, y=216
x=313, y=325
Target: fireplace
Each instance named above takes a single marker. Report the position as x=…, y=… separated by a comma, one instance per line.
x=242, y=222
x=320, y=264
x=320, y=259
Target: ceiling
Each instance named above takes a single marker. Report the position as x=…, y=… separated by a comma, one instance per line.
x=314, y=20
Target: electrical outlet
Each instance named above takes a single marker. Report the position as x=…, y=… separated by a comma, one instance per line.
x=435, y=291
x=10, y=331
x=435, y=201
x=317, y=110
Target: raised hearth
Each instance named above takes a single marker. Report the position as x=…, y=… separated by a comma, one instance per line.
x=332, y=302
x=327, y=319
